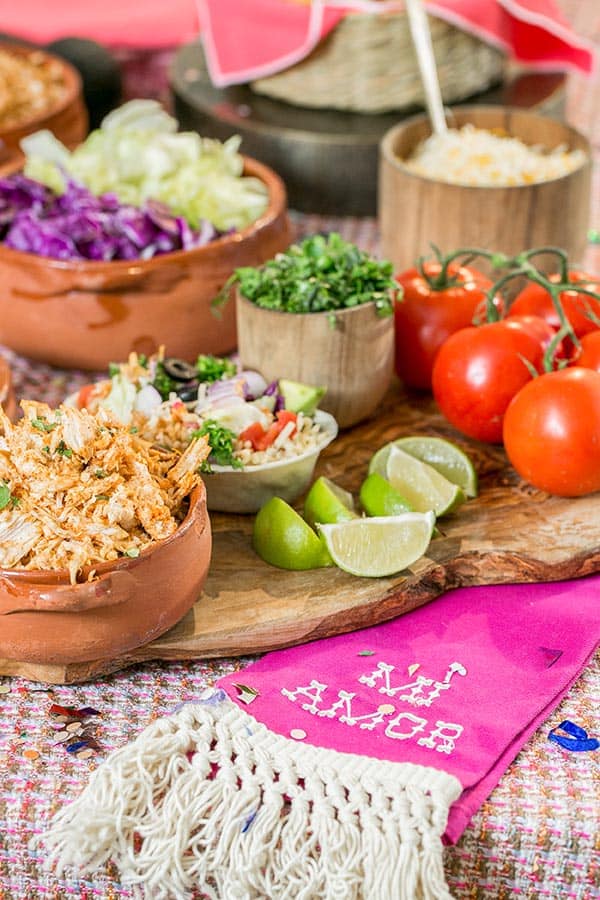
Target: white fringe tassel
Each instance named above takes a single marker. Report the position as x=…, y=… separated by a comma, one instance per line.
x=252, y=814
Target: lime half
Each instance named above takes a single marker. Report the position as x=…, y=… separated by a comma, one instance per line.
x=282, y=538
x=379, y=546
x=379, y=498
x=328, y=502
x=421, y=484
x=444, y=456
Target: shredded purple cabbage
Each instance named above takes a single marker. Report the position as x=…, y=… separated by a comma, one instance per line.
x=79, y=225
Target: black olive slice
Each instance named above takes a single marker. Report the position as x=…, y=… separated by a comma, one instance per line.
x=179, y=369
x=188, y=392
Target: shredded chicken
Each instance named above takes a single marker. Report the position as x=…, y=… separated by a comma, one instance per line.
x=78, y=488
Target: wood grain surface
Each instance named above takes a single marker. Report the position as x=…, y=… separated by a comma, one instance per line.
x=350, y=352
x=510, y=533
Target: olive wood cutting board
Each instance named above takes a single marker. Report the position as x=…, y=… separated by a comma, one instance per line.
x=510, y=533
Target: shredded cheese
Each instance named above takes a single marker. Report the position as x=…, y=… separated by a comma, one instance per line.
x=474, y=156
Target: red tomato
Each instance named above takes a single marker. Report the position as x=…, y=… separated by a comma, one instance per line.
x=426, y=317
x=552, y=432
x=478, y=371
x=535, y=300
x=589, y=356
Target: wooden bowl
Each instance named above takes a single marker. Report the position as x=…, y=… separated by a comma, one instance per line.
x=66, y=116
x=7, y=397
x=45, y=619
x=349, y=352
x=85, y=314
x=415, y=212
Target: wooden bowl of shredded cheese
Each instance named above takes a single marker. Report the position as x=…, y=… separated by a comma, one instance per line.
x=501, y=178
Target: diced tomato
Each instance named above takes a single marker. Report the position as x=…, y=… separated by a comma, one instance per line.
x=253, y=433
x=84, y=395
x=261, y=439
x=283, y=417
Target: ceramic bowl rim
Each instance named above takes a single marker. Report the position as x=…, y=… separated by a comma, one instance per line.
x=277, y=206
x=57, y=577
x=388, y=141
x=73, y=83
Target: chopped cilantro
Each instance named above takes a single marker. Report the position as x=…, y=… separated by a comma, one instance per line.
x=134, y=429
x=63, y=450
x=113, y=369
x=220, y=441
x=163, y=383
x=6, y=498
x=100, y=473
x=321, y=274
x=43, y=425
x=213, y=368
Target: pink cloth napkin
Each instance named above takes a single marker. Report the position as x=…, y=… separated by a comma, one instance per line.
x=119, y=23
x=338, y=768
x=490, y=663
x=248, y=39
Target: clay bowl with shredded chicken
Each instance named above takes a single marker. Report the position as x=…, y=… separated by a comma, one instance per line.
x=7, y=397
x=153, y=555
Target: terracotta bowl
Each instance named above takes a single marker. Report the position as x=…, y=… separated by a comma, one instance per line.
x=7, y=397
x=88, y=314
x=66, y=117
x=351, y=357
x=416, y=212
x=45, y=619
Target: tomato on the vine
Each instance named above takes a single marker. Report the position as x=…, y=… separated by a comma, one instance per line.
x=552, y=432
x=478, y=371
x=539, y=329
x=428, y=314
x=535, y=300
x=589, y=355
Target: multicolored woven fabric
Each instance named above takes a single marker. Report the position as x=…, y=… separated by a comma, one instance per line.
x=536, y=837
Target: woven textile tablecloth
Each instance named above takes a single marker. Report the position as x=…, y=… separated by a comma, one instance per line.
x=536, y=836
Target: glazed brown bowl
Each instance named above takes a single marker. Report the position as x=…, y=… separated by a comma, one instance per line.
x=86, y=314
x=127, y=603
x=7, y=397
x=65, y=116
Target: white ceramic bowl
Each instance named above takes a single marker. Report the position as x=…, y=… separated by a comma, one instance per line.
x=246, y=490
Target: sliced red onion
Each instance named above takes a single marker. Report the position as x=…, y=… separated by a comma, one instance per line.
x=254, y=382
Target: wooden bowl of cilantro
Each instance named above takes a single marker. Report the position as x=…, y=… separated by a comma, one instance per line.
x=321, y=313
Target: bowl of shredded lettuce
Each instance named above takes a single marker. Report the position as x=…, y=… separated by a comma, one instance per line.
x=122, y=244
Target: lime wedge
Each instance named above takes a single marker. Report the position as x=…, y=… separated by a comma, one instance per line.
x=328, y=502
x=282, y=538
x=421, y=484
x=381, y=545
x=300, y=397
x=444, y=456
x=379, y=498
